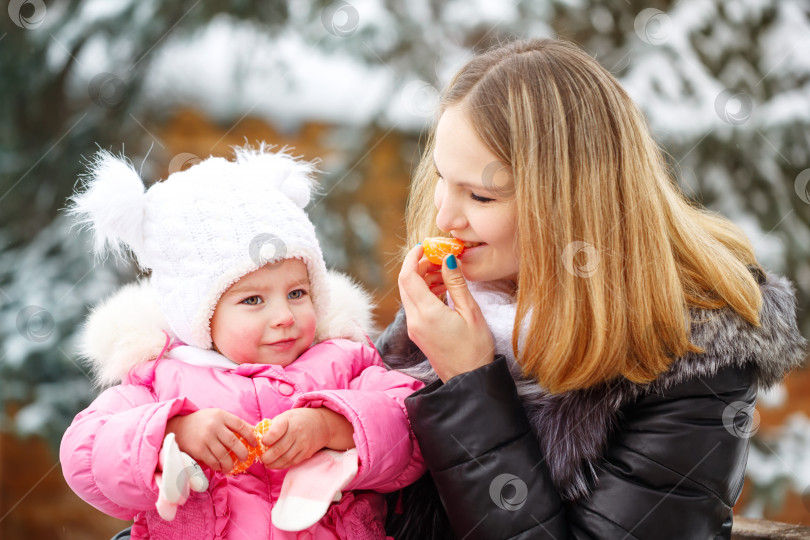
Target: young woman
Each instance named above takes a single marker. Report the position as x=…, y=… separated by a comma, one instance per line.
x=593, y=371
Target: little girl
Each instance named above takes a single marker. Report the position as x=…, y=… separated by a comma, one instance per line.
x=239, y=322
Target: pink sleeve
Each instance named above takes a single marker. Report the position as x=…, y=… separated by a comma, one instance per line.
x=374, y=403
x=109, y=453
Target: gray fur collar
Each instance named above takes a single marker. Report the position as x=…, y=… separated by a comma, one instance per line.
x=573, y=449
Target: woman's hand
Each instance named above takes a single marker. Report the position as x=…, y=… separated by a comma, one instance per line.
x=208, y=436
x=456, y=340
x=296, y=434
x=432, y=275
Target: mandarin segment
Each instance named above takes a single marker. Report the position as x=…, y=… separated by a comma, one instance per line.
x=259, y=430
x=436, y=248
x=242, y=466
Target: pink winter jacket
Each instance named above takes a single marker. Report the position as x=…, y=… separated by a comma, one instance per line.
x=110, y=452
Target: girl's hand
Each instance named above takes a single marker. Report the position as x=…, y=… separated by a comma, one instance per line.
x=208, y=436
x=456, y=340
x=296, y=434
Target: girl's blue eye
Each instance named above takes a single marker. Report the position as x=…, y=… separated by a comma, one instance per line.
x=480, y=199
x=297, y=294
x=252, y=301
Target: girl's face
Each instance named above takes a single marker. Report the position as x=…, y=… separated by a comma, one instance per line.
x=475, y=199
x=266, y=317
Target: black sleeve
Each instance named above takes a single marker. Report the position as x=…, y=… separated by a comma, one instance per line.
x=395, y=347
x=673, y=469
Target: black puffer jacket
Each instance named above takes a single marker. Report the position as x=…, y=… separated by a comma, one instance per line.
x=664, y=460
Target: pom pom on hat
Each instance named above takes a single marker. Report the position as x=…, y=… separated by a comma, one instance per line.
x=111, y=205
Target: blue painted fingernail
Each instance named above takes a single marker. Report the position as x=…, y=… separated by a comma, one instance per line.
x=419, y=244
x=451, y=262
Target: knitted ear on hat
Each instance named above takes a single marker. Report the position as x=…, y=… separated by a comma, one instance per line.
x=111, y=204
x=291, y=176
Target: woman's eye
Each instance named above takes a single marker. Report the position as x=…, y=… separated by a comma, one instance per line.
x=478, y=198
x=252, y=301
x=296, y=294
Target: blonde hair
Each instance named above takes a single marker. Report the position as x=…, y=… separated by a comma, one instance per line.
x=590, y=180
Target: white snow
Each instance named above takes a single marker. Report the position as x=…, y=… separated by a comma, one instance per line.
x=231, y=69
x=475, y=13
x=783, y=458
x=772, y=398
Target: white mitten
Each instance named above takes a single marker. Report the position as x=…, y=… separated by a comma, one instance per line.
x=180, y=475
x=311, y=486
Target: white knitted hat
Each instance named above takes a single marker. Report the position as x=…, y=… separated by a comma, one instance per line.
x=203, y=228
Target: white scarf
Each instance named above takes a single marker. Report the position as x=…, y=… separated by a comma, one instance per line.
x=202, y=357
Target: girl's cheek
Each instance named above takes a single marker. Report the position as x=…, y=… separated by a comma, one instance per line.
x=244, y=332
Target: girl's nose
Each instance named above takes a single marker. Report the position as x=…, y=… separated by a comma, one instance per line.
x=282, y=317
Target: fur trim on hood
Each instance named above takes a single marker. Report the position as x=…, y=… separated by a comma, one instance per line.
x=129, y=328
x=573, y=449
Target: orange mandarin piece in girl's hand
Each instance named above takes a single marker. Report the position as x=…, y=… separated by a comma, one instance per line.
x=438, y=247
x=260, y=431
x=254, y=452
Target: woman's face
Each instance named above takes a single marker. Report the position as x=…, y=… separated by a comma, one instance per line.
x=475, y=199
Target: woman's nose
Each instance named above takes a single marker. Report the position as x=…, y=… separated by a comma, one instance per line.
x=450, y=216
